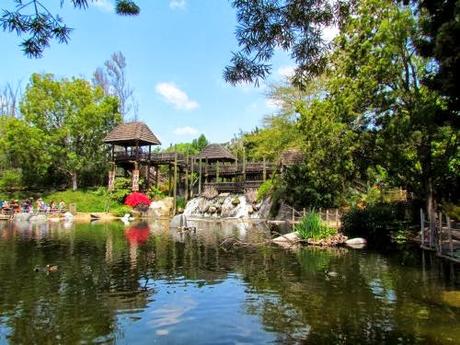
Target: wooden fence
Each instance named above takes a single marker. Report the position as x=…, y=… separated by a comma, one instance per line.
x=331, y=216
x=440, y=234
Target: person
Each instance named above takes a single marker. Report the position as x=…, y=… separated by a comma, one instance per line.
x=61, y=206
x=52, y=206
x=6, y=208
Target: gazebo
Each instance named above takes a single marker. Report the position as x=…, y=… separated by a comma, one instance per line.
x=214, y=153
x=127, y=140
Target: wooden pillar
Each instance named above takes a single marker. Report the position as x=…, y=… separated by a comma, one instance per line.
x=113, y=153
x=264, y=170
x=337, y=218
x=200, y=178
x=422, y=227
x=186, y=178
x=440, y=233
x=192, y=163
x=244, y=165
x=206, y=170
x=169, y=179
x=449, y=231
x=175, y=181
x=148, y=167
x=157, y=175
x=217, y=171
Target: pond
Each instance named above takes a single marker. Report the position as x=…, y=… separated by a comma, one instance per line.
x=147, y=284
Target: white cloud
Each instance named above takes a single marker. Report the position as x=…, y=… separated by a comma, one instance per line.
x=177, y=4
x=286, y=71
x=103, y=5
x=175, y=96
x=185, y=131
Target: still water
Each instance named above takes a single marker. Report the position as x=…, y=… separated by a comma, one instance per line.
x=146, y=284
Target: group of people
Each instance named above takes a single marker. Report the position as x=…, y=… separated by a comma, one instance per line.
x=30, y=205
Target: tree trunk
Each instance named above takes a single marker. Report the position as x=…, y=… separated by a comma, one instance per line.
x=430, y=210
x=74, y=181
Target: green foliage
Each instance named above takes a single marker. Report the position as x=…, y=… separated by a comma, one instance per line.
x=192, y=148
x=122, y=187
x=180, y=203
x=265, y=190
x=155, y=193
x=10, y=179
x=378, y=223
x=452, y=210
x=312, y=227
x=120, y=210
x=69, y=118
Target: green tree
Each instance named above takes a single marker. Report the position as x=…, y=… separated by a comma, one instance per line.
x=74, y=118
x=376, y=85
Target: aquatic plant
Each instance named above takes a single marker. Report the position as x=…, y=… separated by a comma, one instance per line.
x=312, y=227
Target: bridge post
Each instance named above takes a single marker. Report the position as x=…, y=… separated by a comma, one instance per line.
x=186, y=178
x=201, y=176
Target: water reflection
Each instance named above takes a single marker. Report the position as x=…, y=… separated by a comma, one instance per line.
x=147, y=283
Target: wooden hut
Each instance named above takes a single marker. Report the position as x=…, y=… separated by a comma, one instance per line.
x=127, y=142
x=216, y=153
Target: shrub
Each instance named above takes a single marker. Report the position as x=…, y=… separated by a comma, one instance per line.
x=265, y=190
x=137, y=199
x=452, y=210
x=122, y=187
x=378, y=223
x=155, y=193
x=11, y=179
x=312, y=227
x=120, y=210
x=180, y=203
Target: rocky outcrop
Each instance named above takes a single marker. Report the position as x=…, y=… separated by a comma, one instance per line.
x=226, y=205
x=162, y=208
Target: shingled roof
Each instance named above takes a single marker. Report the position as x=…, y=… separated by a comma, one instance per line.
x=127, y=134
x=216, y=152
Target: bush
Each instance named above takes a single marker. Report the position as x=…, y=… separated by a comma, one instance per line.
x=378, y=223
x=155, y=193
x=122, y=187
x=120, y=210
x=452, y=210
x=265, y=190
x=180, y=203
x=11, y=179
x=312, y=227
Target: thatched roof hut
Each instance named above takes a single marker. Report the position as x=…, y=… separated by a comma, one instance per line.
x=292, y=157
x=216, y=153
x=132, y=134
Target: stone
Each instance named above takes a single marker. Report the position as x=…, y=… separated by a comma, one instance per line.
x=224, y=195
x=291, y=237
x=162, y=208
x=212, y=209
x=356, y=243
x=250, y=209
x=178, y=221
x=235, y=201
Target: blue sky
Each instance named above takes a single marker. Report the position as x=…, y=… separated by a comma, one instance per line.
x=176, y=51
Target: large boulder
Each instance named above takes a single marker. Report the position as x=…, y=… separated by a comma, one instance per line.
x=356, y=243
x=162, y=208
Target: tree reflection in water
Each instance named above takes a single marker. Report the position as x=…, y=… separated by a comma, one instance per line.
x=145, y=282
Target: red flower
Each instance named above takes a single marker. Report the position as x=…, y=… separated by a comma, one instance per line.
x=136, y=198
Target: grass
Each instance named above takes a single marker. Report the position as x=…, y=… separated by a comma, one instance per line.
x=86, y=200
x=312, y=227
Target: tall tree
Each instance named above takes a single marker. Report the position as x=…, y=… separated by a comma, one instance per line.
x=113, y=81
x=34, y=20
x=74, y=118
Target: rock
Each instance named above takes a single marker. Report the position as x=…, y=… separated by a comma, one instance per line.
x=250, y=209
x=162, y=208
x=235, y=201
x=356, y=243
x=178, y=221
x=212, y=209
x=291, y=237
x=224, y=195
